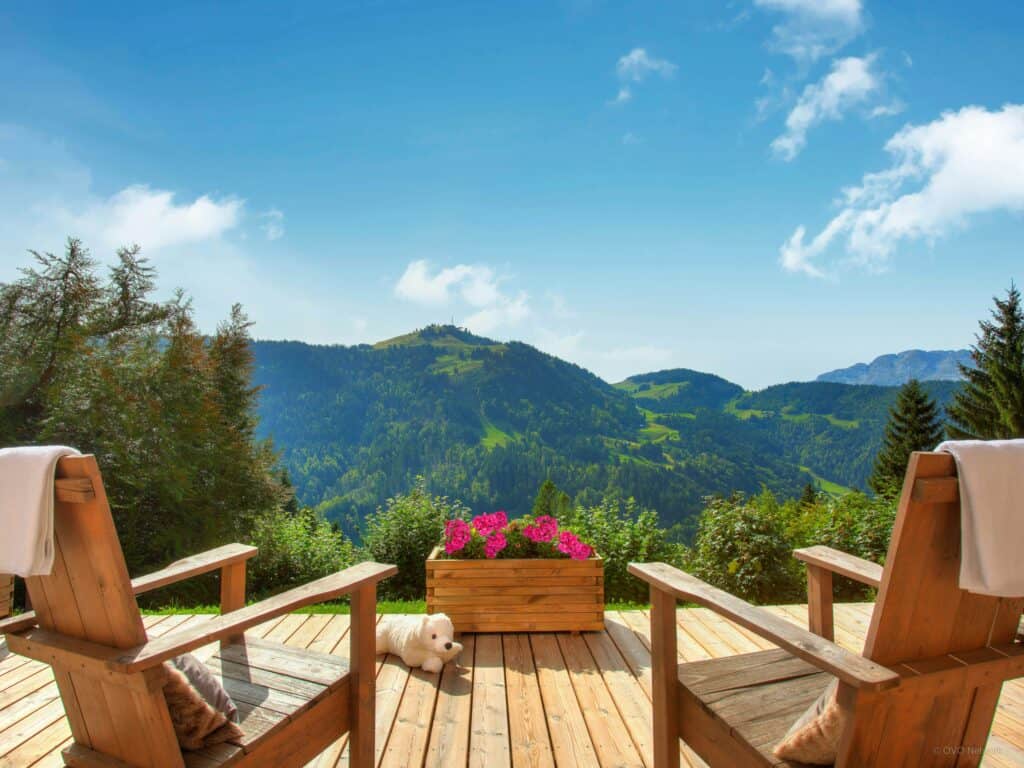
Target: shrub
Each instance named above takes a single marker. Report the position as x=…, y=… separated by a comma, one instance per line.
x=403, y=533
x=295, y=547
x=622, y=532
x=742, y=547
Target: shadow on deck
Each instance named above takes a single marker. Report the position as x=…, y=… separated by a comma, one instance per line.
x=511, y=700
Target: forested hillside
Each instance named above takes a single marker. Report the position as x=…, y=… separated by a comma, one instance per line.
x=487, y=422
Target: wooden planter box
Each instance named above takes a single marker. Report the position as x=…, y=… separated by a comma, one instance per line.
x=517, y=595
x=6, y=594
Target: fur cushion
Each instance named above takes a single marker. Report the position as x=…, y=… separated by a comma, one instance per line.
x=196, y=723
x=209, y=687
x=814, y=737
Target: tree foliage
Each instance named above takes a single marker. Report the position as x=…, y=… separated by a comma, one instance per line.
x=170, y=414
x=991, y=404
x=914, y=425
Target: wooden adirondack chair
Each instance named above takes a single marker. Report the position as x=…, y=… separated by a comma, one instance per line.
x=87, y=626
x=923, y=693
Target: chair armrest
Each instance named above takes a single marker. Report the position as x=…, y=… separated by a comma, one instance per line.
x=213, y=560
x=194, y=565
x=849, y=667
x=235, y=623
x=851, y=566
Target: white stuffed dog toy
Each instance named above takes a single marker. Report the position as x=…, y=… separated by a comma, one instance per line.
x=420, y=641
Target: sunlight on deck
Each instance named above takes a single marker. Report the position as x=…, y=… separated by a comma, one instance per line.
x=537, y=700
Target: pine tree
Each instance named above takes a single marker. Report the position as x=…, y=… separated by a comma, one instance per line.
x=991, y=404
x=809, y=497
x=551, y=501
x=914, y=425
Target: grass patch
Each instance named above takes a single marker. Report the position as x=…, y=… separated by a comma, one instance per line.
x=383, y=606
x=455, y=365
x=494, y=437
x=833, y=489
x=744, y=413
x=655, y=432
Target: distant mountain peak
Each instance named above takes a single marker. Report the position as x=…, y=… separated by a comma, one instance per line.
x=897, y=369
x=439, y=336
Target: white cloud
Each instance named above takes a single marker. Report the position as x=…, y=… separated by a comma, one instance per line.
x=149, y=217
x=273, y=224
x=814, y=28
x=850, y=82
x=894, y=107
x=622, y=96
x=962, y=164
x=631, y=139
x=475, y=285
x=635, y=67
x=505, y=312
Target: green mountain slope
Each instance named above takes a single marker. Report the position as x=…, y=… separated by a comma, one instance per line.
x=488, y=422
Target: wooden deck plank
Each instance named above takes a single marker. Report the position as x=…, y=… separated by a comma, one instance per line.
x=632, y=705
x=449, y=733
x=608, y=732
x=569, y=738
x=526, y=700
x=489, y=730
x=528, y=730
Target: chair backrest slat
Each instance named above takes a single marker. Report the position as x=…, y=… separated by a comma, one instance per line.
x=921, y=613
x=89, y=596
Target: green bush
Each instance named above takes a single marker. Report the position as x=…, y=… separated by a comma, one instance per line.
x=744, y=544
x=295, y=548
x=403, y=533
x=622, y=533
x=742, y=547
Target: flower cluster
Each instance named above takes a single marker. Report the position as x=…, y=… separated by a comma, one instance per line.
x=457, y=535
x=485, y=525
x=492, y=535
x=542, y=529
x=569, y=544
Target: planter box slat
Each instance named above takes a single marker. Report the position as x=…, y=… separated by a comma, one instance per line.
x=549, y=600
x=6, y=594
x=551, y=591
x=543, y=595
x=501, y=581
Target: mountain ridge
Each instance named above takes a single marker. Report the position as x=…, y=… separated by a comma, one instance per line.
x=488, y=421
x=898, y=368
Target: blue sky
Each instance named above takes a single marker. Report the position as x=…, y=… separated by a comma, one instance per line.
x=764, y=189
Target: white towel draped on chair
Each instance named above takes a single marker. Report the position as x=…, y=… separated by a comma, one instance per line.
x=26, y=508
x=991, y=476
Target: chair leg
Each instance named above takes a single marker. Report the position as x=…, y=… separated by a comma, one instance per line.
x=819, y=602
x=664, y=679
x=363, y=665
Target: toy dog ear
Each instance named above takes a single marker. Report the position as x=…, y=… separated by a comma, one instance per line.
x=424, y=621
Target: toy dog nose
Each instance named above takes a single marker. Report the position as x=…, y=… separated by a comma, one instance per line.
x=447, y=646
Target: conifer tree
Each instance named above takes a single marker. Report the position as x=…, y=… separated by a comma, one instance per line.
x=914, y=425
x=991, y=404
x=551, y=500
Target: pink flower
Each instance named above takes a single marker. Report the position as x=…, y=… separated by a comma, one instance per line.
x=569, y=544
x=456, y=535
x=485, y=525
x=542, y=529
x=495, y=543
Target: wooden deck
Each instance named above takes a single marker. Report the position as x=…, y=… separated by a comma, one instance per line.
x=514, y=700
